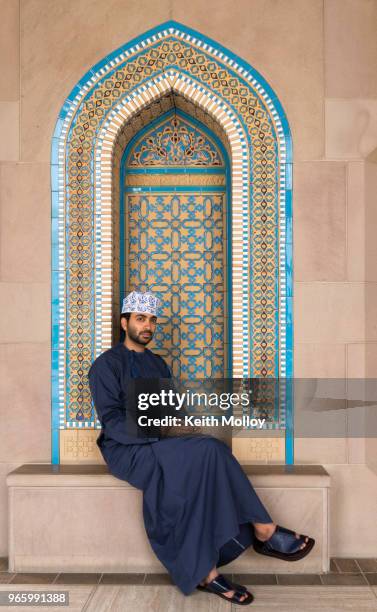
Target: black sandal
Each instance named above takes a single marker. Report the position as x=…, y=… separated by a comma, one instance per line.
x=284, y=545
x=235, y=586
x=220, y=585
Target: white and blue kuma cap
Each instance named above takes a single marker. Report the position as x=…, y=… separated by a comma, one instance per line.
x=138, y=301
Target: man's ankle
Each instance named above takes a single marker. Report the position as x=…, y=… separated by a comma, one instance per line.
x=264, y=532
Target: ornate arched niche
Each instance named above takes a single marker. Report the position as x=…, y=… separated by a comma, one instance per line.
x=172, y=232
x=168, y=70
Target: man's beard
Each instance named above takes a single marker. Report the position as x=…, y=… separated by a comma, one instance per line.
x=138, y=338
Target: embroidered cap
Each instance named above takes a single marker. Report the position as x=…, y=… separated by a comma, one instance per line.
x=138, y=301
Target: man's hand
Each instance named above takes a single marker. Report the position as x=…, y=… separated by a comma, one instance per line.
x=180, y=430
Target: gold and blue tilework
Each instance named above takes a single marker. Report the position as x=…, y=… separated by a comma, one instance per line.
x=175, y=236
x=168, y=58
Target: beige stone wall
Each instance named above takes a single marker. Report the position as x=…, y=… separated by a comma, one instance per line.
x=320, y=57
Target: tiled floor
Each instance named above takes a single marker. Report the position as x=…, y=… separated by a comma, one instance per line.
x=350, y=585
x=343, y=572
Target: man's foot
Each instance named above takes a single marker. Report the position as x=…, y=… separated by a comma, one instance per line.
x=282, y=543
x=219, y=585
x=264, y=531
x=228, y=594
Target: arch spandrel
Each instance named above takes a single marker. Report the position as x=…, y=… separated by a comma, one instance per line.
x=169, y=57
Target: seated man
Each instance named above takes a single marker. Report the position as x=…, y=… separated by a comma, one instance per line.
x=200, y=510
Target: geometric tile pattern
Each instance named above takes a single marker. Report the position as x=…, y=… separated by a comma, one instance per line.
x=168, y=58
x=171, y=81
x=169, y=235
x=175, y=242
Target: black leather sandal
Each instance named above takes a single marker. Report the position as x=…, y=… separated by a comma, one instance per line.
x=235, y=586
x=221, y=585
x=284, y=545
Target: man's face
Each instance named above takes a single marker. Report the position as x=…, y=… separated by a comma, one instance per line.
x=140, y=327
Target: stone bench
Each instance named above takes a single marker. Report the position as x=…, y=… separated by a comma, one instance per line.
x=80, y=518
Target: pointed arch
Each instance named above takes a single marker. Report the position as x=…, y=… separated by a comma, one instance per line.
x=168, y=58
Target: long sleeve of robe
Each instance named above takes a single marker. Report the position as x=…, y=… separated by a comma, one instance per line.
x=110, y=378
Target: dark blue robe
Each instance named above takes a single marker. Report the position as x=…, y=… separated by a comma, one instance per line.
x=198, y=504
